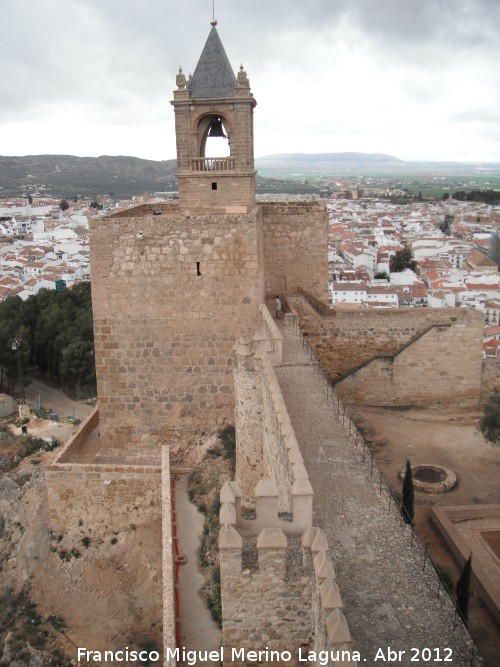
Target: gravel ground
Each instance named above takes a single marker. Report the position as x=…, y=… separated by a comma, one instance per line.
x=389, y=600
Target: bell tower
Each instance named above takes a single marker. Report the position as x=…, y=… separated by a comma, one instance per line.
x=214, y=103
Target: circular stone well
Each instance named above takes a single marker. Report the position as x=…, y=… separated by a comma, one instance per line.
x=431, y=478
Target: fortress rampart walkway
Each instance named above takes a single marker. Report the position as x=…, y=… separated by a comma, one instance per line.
x=387, y=599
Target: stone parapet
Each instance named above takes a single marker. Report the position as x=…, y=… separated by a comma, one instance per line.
x=266, y=513
x=76, y=441
x=167, y=553
x=298, y=578
x=282, y=459
x=331, y=631
x=266, y=446
x=266, y=605
x=410, y=356
x=109, y=497
x=273, y=336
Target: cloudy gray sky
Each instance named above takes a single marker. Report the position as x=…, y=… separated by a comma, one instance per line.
x=418, y=79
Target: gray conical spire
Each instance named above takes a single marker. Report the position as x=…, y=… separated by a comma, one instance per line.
x=213, y=76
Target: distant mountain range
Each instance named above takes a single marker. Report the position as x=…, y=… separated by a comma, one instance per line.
x=322, y=158
x=347, y=162
x=122, y=176
x=68, y=175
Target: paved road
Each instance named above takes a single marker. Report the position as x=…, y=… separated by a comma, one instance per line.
x=55, y=399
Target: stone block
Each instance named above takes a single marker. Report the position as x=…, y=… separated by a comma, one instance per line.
x=337, y=628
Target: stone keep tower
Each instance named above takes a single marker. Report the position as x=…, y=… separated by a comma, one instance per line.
x=214, y=102
x=175, y=285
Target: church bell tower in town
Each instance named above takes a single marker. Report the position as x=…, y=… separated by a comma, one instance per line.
x=211, y=103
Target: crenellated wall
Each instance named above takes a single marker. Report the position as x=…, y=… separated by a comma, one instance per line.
x=286, y=599
x=267, y=513
x=267, y=605
x=330, y=629
x=266, y=446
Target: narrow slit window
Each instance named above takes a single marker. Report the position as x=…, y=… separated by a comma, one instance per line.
x=198, y=272
x=214, y=186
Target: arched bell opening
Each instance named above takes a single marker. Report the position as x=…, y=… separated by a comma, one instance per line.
x=214, y=136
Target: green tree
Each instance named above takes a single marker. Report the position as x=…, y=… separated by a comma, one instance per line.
x=463, y=590
x=12, y=326
x=445, y=225
x=381, y=275
x=77, y=363
x=489, y=424
x=401, y=260
x=407, y=504
x=63, y=205
x=49, y=323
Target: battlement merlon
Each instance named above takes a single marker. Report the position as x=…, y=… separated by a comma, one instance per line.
x=266, y=508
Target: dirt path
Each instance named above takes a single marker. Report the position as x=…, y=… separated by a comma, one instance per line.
x=442, y=436
x=56, y=400
x=198, y=630
x=448, y=437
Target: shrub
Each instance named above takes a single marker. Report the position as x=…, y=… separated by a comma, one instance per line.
x=463, y=590
x=407, y=505
x=489, y=424
x=446, y=578
x=228, y=438
x=57, y=622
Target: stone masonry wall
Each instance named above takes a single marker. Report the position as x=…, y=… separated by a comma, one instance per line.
x=296, y=247
x=282, y=460
x=109, y=497
x=198, y=193
x=266, y=515
x=288, y=600
x=445, y=362
x=77, y=441
x=167, y=553
x=440, y=367
x=170, y=294
x=266, y=446
x=331, y=634
x=490, y=377
x=248, y=421
x=265, y=607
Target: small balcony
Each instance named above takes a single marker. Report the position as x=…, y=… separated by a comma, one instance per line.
x=212, y=164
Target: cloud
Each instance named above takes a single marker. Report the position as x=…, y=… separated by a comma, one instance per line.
x=345, y=68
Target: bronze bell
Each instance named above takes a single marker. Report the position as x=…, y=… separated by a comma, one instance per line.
x=216, y=128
